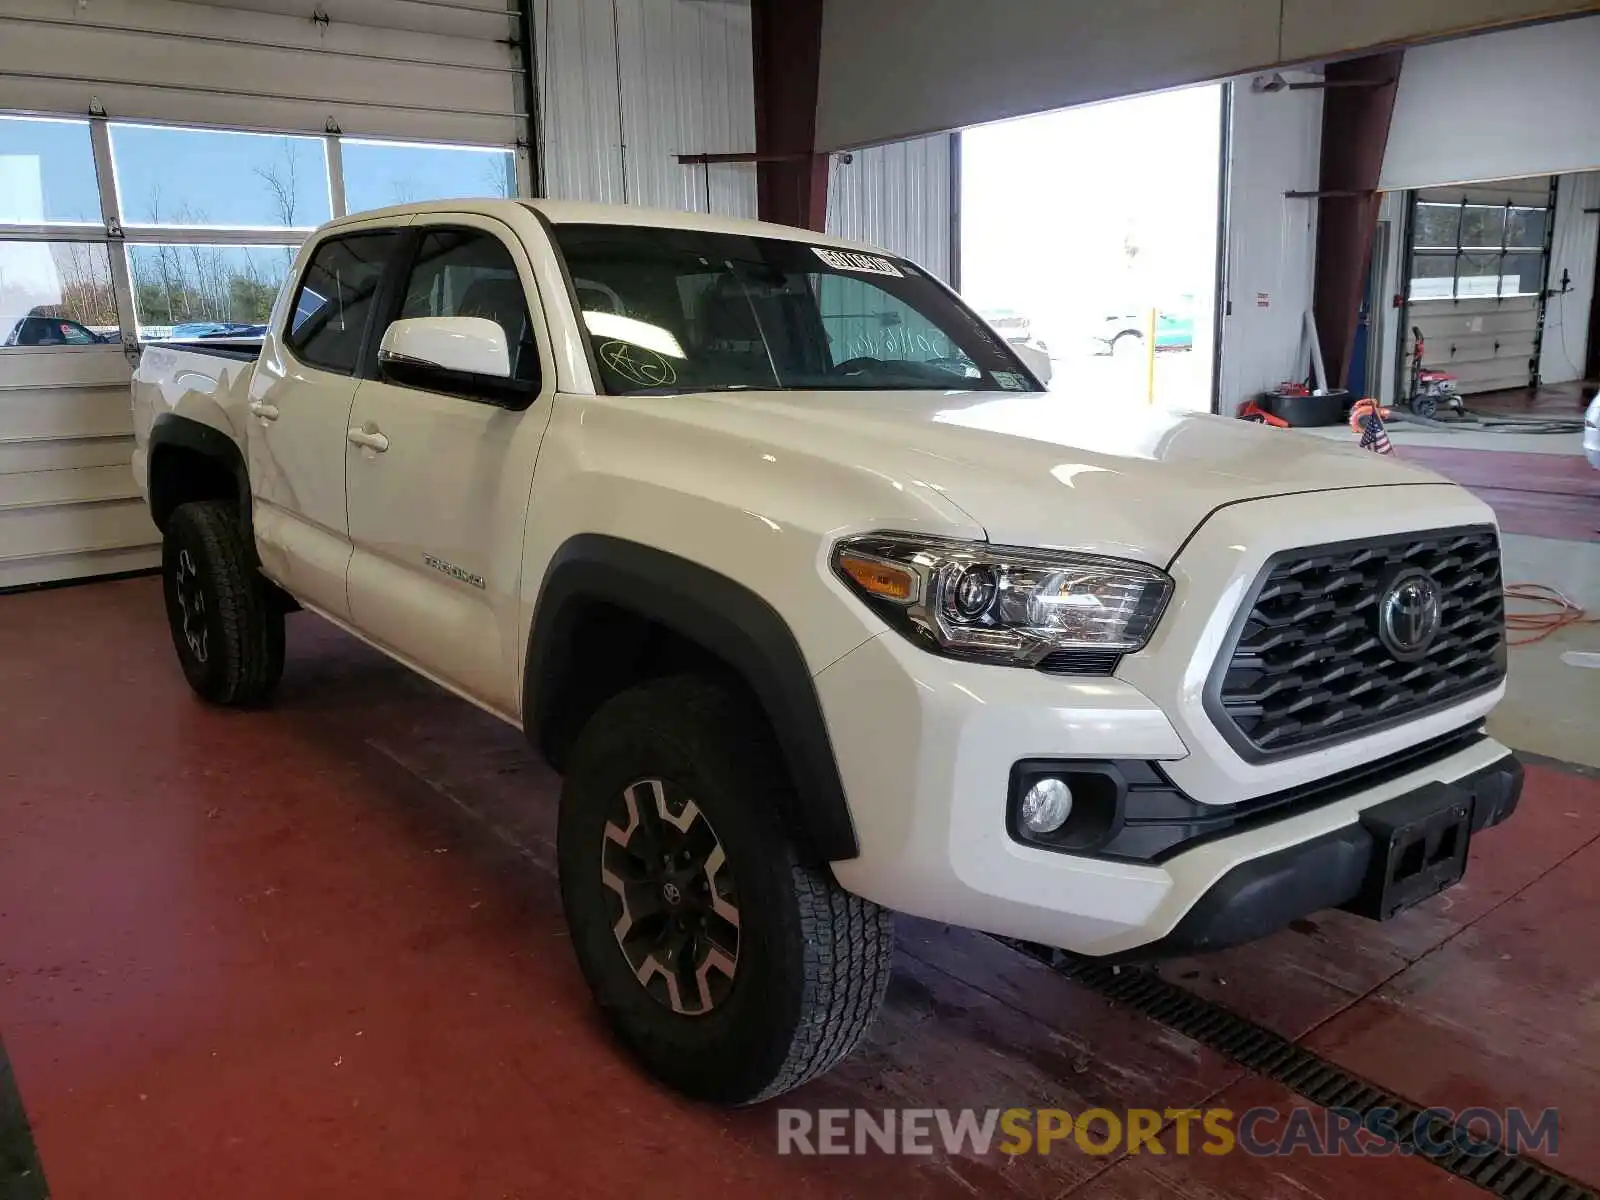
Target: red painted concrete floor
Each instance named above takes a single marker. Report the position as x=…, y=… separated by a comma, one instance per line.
x=1545, y=495
x=316, y=952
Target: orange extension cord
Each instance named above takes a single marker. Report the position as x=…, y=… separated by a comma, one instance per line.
x=1551, y=611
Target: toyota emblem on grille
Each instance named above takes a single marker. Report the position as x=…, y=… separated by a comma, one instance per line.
x=1408, y=614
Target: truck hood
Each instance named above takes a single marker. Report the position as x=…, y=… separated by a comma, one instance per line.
x=1049, y=469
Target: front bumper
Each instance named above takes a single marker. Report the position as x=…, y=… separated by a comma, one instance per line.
x=1336, y=870
x=925, y=746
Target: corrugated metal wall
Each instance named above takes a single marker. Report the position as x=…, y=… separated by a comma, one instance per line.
x=1276, y=141
x=627, y=85
x=1566, y=319
x=898, y=197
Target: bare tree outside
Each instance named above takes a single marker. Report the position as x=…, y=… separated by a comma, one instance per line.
x=282, y=180
x=498, y=174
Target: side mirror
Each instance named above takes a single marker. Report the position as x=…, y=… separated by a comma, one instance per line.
x=458, y=356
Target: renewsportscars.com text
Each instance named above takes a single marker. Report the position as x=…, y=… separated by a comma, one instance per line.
x=1263, y=1132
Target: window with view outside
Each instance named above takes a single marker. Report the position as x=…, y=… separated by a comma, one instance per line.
x=53, y=292
x=206, y=178
x=56, y=294
x=47, y=173
x=336, y=297
x=1438, y=226
x=1476, y=251
x=378, y=174
x=195, y=291
x=671, y=310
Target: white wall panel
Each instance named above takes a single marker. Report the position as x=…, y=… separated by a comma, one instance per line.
x=1518, y=102
x=1275, y=147
x=898, y=197
x=628, y=85
x=1566, y=319
x=191, y=63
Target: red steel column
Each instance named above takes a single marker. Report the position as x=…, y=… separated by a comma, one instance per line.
x=1355, y=133
x=787, y=48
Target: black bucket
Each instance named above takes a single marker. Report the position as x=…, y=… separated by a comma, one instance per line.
x=1308, y=410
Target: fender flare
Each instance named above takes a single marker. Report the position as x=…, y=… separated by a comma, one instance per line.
x=170, y=429
x=724, y=618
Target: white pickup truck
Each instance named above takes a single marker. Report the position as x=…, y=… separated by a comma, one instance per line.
x=774, y=548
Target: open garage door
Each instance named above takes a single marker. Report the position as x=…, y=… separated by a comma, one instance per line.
x=1089, y=238
x=1476, y=277
x=159, y=164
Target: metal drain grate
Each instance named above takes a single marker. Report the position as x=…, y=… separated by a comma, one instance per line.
x=1313, y=1077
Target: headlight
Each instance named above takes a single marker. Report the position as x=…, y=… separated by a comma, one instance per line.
x=1003, y=604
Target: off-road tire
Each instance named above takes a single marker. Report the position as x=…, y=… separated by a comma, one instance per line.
x=231, y=645
x=813, y=960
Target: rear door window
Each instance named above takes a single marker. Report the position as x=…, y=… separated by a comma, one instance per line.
x=335, y=299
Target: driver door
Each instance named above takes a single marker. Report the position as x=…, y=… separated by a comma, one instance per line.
x=438, y=486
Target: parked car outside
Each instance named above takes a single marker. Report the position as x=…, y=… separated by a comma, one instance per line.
x=1124, y=333
x=37, y=330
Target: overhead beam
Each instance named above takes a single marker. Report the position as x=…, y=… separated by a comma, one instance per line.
x=1356, y=112
x=791, y=177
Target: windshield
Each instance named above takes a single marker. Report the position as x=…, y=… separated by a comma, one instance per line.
x=676, y=310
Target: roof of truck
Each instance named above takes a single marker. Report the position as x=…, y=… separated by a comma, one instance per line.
x=573, y=212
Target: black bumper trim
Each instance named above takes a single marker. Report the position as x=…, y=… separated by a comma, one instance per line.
x=1265, y=894
x=1154, y=819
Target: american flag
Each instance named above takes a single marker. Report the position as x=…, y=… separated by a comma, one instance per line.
x=1373, y=435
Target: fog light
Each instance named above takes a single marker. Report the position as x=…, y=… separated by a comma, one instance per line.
x=1046, y=806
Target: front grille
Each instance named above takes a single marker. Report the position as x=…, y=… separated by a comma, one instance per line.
x=1306, y=666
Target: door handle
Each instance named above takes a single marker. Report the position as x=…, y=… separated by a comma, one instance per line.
x=267, y=412
x=371, y=439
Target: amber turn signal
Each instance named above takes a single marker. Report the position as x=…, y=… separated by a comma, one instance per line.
x=879, y=578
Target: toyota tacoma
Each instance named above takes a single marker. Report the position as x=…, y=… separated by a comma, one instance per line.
x=782, y=557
